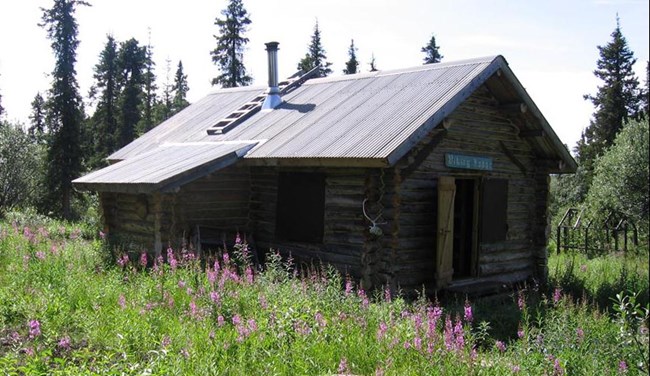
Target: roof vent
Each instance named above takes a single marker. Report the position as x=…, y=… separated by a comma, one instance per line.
x=273, y=94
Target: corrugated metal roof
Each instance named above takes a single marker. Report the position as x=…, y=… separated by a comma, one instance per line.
x=190, y=124
x=165, y=167
x=372, y=117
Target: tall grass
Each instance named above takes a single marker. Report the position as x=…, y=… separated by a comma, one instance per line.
x=62, y=311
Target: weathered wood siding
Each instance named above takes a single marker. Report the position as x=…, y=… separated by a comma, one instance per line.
x=219, y=200
x=477, y=127
x=344, y=226
x=129, y=220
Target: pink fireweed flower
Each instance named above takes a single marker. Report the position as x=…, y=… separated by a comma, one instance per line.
x=29, y=235
x=320, y=320
x=460, y=335
x=102, y=235
x=143, y=259
x=387, y=295
x=500, y=346
x=166, y=341
x=15, y=337
x=301, y=328
x=417, y=343
x=237, y=239
x=29, y=351
x=381, y=332
x=417, y=321
x=557, y=295
x=407, y=345
x=364, y=298
x=521, y=300
x=348, y=287
x=520, y=332
x=214, y=296
x=622, y=366
x=54, y=250
x=181, y=284
x=263, y=303
x=40, y=255
x=212, y=276
x=515, y=369
x=236, y=320
x=34, y=328
x=185, y=353
x=580, y=334
x=193, y=308
x=468, y=316
x=226, y=259
x=123, y=260
x=249, y=275
x=343, y=366
x=252, y=325
x=216, y=267
x=448, y=334
x=64, y=343
x=121, y=301
x=221, y=321
x=557, y=368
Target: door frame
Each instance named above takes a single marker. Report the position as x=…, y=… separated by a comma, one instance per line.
x=445, y=227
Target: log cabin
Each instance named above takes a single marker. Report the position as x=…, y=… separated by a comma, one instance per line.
x=432, y=177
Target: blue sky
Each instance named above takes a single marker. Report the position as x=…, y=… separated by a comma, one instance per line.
x=550, y=45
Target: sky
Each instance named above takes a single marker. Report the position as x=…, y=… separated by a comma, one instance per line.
x=550, y=45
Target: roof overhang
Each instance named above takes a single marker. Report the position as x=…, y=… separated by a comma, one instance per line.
x=498, y=67
x=165, y=168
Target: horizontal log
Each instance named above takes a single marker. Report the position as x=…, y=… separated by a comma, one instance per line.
x=506, y=267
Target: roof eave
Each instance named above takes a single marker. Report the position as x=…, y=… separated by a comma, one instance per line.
x=444, y=111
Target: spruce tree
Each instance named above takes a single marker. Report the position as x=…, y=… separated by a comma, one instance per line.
x=163, y=108
x=615, y=102
x=352, y=64
x=131, y=62
x=645, y=93
x=105, y=90
x=180, y=90
x=2, y=110
x=431, y=51
x=229, y=53
x=37, y=128
x=149, y=92
x=315, y=57
x=65, y=112
x=373, y=64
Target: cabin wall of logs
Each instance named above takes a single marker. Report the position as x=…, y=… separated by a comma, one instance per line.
x=400, y=200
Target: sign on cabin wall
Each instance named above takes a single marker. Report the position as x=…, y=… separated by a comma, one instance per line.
x=468, y=162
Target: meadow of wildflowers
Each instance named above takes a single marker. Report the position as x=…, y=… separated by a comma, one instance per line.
x=63, y=311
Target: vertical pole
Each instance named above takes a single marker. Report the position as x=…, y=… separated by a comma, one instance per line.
x=157, y=223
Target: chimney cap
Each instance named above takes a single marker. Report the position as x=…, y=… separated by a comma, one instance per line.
x=271, y=45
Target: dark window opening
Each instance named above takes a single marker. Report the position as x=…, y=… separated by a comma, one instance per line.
x=463, y=228
x=494, y=210
x=301, y=207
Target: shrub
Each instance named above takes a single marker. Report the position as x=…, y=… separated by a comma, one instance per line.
x=21, y=170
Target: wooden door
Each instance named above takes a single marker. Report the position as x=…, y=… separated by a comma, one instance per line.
x=445, y=238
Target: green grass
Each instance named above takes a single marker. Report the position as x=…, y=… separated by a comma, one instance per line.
x=188, y=319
